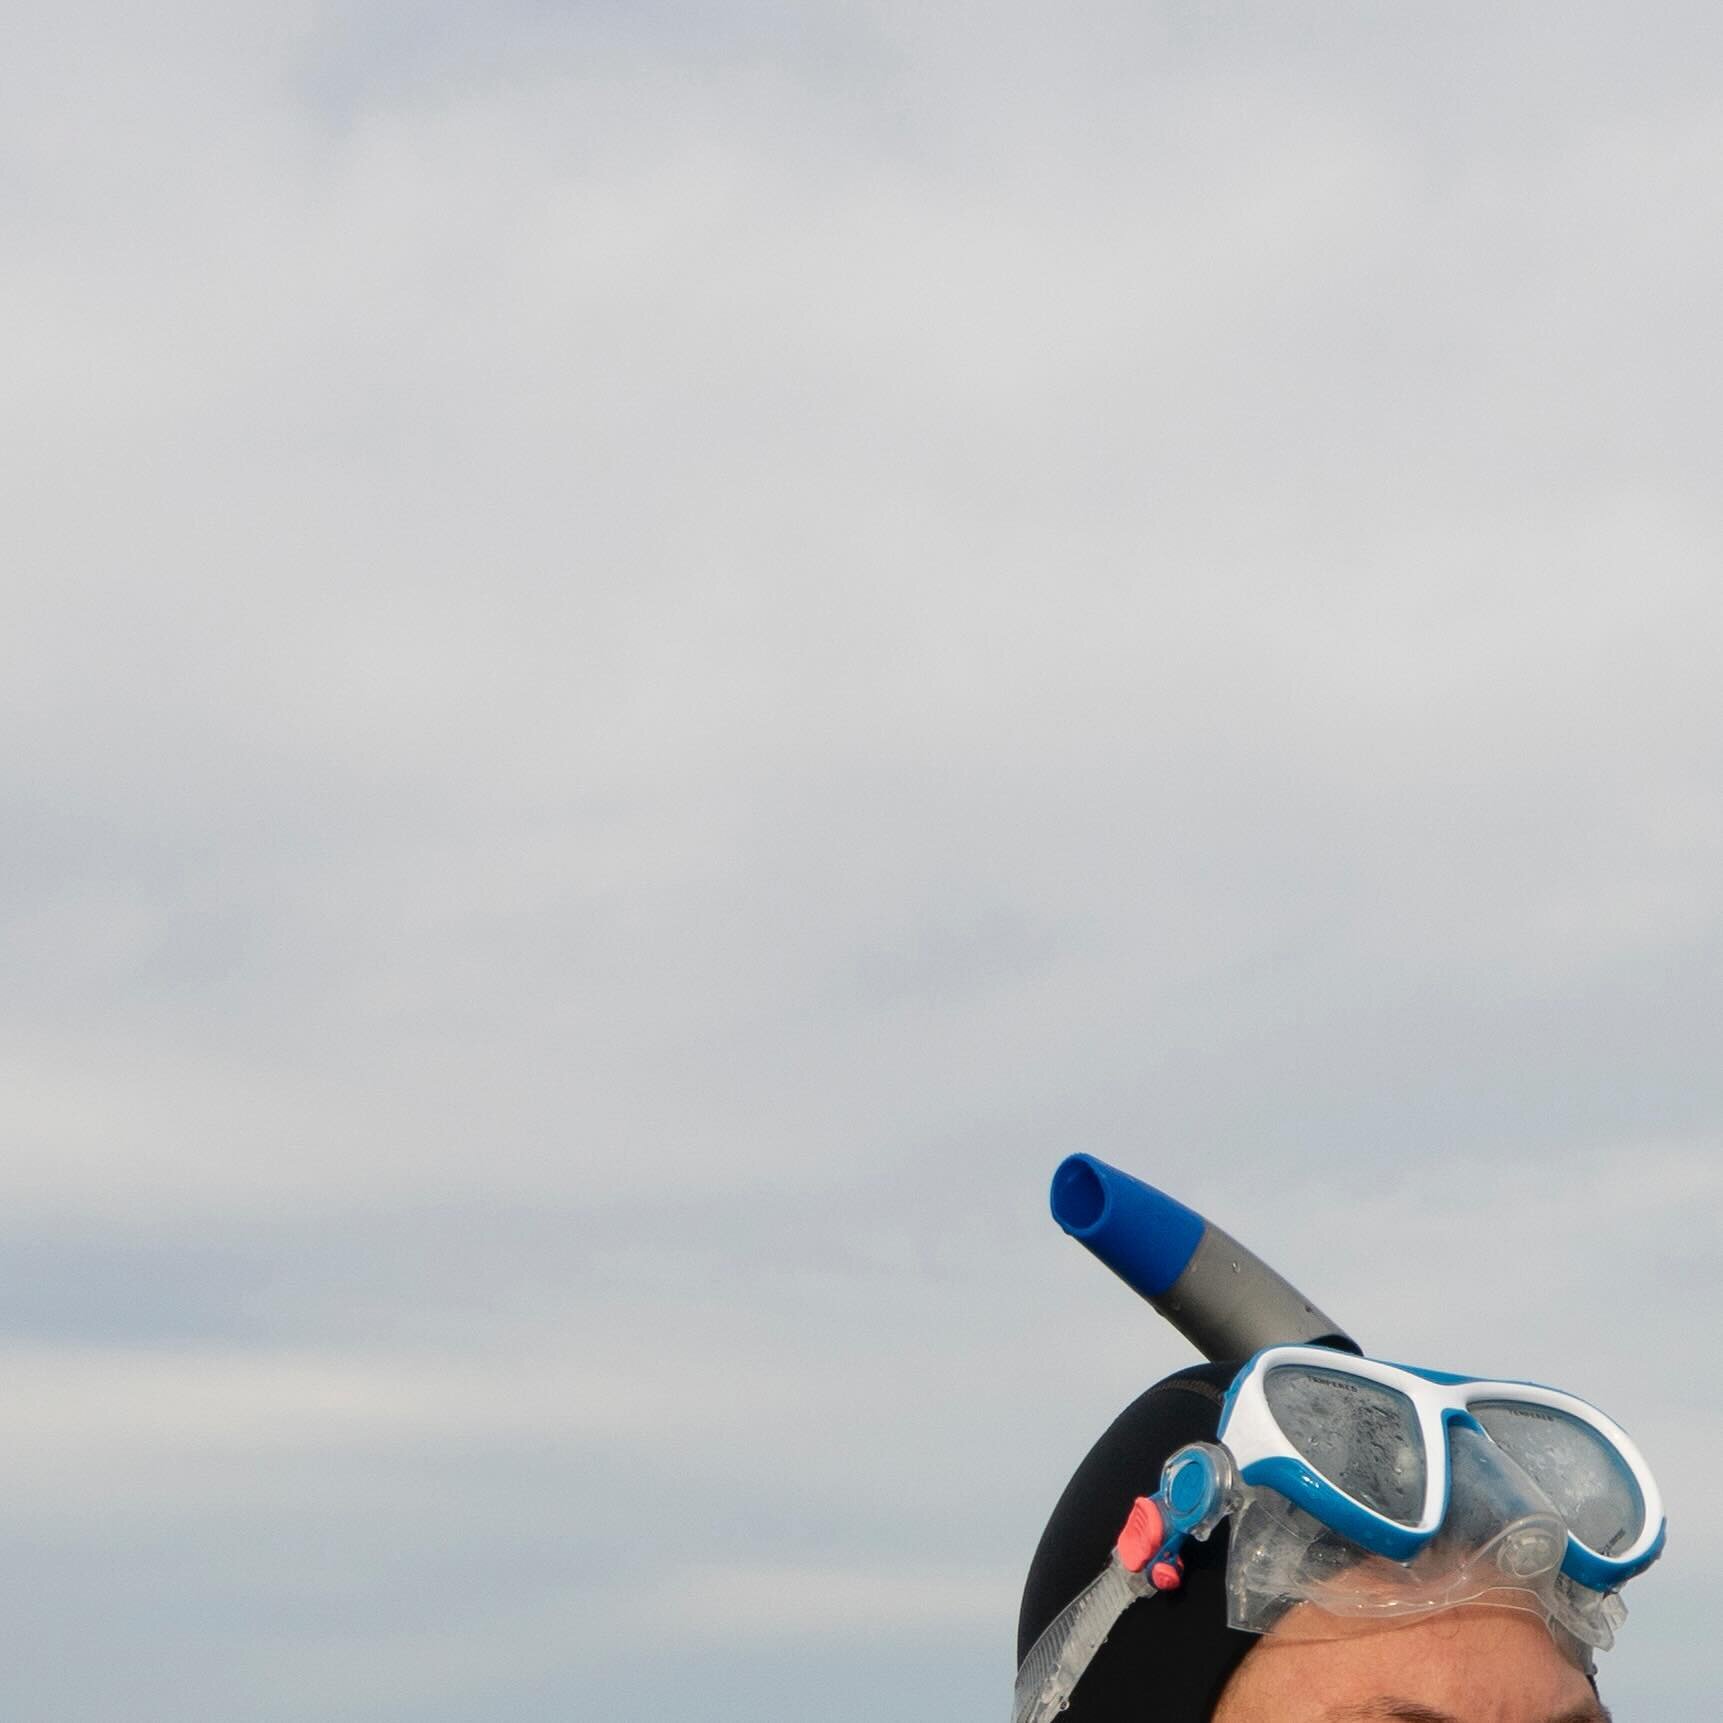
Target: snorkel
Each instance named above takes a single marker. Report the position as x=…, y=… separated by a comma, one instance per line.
x=1304, y=1489
x=1221, y=1297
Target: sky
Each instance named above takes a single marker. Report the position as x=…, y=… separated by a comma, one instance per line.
x=652, y=654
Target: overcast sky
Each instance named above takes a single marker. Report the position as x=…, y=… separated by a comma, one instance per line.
x=652, y=653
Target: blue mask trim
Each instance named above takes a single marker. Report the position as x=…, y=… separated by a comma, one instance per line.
x=1603, y=1573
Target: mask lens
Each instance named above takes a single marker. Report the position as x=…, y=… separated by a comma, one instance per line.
x=1361, y=1436
x=1587, y=1481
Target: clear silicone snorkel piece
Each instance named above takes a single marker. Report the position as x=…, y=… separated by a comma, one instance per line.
x=1501, y=1543
x=1067, y=1646
x=1199, y=1487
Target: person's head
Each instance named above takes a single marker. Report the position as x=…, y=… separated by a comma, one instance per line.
x=1480, y=1648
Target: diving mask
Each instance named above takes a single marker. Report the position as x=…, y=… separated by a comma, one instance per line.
x=1367, y=1494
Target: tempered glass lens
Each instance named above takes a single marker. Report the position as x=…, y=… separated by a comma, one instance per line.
x=1586, y=1480
x=1362, y=1437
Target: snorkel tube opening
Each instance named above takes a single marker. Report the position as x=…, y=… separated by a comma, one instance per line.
x=1079, y=1194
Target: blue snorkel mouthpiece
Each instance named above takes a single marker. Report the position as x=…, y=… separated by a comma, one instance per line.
x=1227, y=1302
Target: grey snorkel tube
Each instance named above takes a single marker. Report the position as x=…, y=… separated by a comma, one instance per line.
x=1226, y=1301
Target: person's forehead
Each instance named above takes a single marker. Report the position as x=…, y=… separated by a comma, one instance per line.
x=1467, y=1666
x=1387, y=1708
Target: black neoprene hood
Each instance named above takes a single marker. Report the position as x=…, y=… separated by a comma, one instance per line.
x=1171, y=1656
